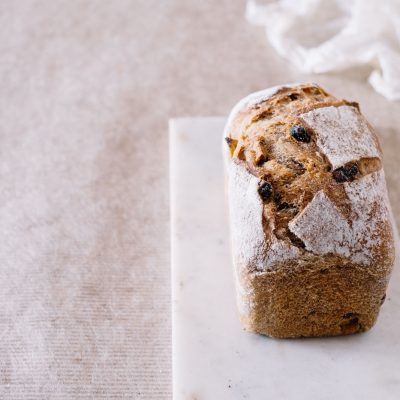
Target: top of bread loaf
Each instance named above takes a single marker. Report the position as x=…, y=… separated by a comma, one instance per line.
x=312, y=166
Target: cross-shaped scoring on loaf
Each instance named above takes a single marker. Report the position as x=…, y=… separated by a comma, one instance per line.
x=342, y=216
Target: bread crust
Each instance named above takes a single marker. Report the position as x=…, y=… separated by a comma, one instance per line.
x=312, y=239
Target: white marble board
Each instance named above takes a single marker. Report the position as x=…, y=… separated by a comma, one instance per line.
x=213, y=357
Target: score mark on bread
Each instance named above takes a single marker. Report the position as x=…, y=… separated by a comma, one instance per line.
x=300, y=142
x=308, y=203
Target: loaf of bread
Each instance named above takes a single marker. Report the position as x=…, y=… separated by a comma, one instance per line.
x=312, y=239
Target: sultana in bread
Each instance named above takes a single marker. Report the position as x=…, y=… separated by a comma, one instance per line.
x=312, y=239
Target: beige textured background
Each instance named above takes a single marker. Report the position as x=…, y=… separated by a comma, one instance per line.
x=87, y=88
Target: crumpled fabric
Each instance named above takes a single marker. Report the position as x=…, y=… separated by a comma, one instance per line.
x=320, y=36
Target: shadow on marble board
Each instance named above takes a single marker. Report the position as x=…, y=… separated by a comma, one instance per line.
x=390, y=141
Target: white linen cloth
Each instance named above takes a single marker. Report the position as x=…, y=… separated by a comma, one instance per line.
x=320, y=36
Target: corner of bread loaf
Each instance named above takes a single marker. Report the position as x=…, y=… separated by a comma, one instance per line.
x=249, y=101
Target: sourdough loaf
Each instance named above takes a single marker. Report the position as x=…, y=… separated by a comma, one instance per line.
x=312, y=239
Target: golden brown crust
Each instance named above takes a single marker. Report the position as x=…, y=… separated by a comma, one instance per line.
x=316, y=294
x=314, y=300
x=296, y=170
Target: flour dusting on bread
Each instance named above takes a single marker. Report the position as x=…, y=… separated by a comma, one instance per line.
x=370, y=214
x=246, y=211
x=342, y=134
x=323, y=228
x=252, y=248
x=312, y=239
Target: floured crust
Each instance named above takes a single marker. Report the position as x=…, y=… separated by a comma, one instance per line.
x=359, y=238
x=342, y=133
x=246, y=214
x=318, y=203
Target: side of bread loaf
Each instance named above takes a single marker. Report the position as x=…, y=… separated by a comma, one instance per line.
x=312, y=240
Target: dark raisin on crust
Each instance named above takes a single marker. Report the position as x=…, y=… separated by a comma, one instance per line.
x=339, y=175
x=345, y=174
x=265, y=190
x=299, y=133
x=351, y=171
x=228, y=140
x=293, y=96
